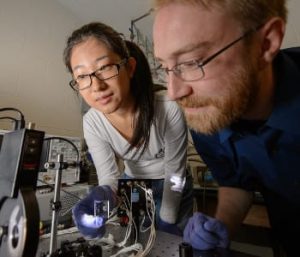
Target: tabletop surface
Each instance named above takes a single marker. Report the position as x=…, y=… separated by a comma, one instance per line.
x=166, y=245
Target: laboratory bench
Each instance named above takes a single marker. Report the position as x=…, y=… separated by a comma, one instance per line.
x=166, y=245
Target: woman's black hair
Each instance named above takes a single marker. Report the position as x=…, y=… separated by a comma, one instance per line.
x=142, y=90
x=141, y=84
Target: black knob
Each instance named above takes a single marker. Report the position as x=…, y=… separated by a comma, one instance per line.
x=185, y=250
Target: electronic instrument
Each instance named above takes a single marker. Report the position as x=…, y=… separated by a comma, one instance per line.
x=19, y=213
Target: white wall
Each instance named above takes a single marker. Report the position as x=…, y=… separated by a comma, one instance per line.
x=33, y=77
x=292, y=37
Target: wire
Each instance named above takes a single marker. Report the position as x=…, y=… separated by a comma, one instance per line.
x=15, y=121
x=133, y=221
x=8, y=118
x=136, y=247
x=152, y=236
x=19, y=124
x=113, y=218
x=129, y=214
x=149, y=198
x=66, y=140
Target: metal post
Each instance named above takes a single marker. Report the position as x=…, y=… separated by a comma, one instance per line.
x=56, y=207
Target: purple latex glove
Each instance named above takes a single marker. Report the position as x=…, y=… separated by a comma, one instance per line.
x=204, y=232
x=83, y=212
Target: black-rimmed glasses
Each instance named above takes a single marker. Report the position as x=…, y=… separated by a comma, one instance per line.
x=106, y=72
x=193, y=70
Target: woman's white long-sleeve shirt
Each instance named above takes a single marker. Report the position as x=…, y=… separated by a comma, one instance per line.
x=164, y=157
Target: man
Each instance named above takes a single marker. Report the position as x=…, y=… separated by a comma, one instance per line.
x=241, y=98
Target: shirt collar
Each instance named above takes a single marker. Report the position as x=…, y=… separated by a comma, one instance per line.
x=224, y=134
x=286, y=111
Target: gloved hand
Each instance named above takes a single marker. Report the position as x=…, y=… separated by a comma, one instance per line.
x=167, y=227
x=204, y=232
x=83, y=212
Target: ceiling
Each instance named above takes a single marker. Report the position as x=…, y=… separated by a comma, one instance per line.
x=116, y=13
x=120, y=13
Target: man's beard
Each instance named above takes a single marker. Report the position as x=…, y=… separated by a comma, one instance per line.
x=223, y=109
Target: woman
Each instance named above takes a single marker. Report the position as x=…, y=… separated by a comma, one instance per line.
x=127, y=120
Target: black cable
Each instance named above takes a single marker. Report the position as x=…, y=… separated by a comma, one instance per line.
x=15, y=121
x=8, y=118
x=68, y=141
x=19, y=124
x=77, y=161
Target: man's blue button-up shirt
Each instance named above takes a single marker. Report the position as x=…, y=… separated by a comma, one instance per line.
x=267, y=159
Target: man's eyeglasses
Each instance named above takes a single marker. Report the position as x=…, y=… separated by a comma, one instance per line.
x=193, y=70
x=106, y=72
